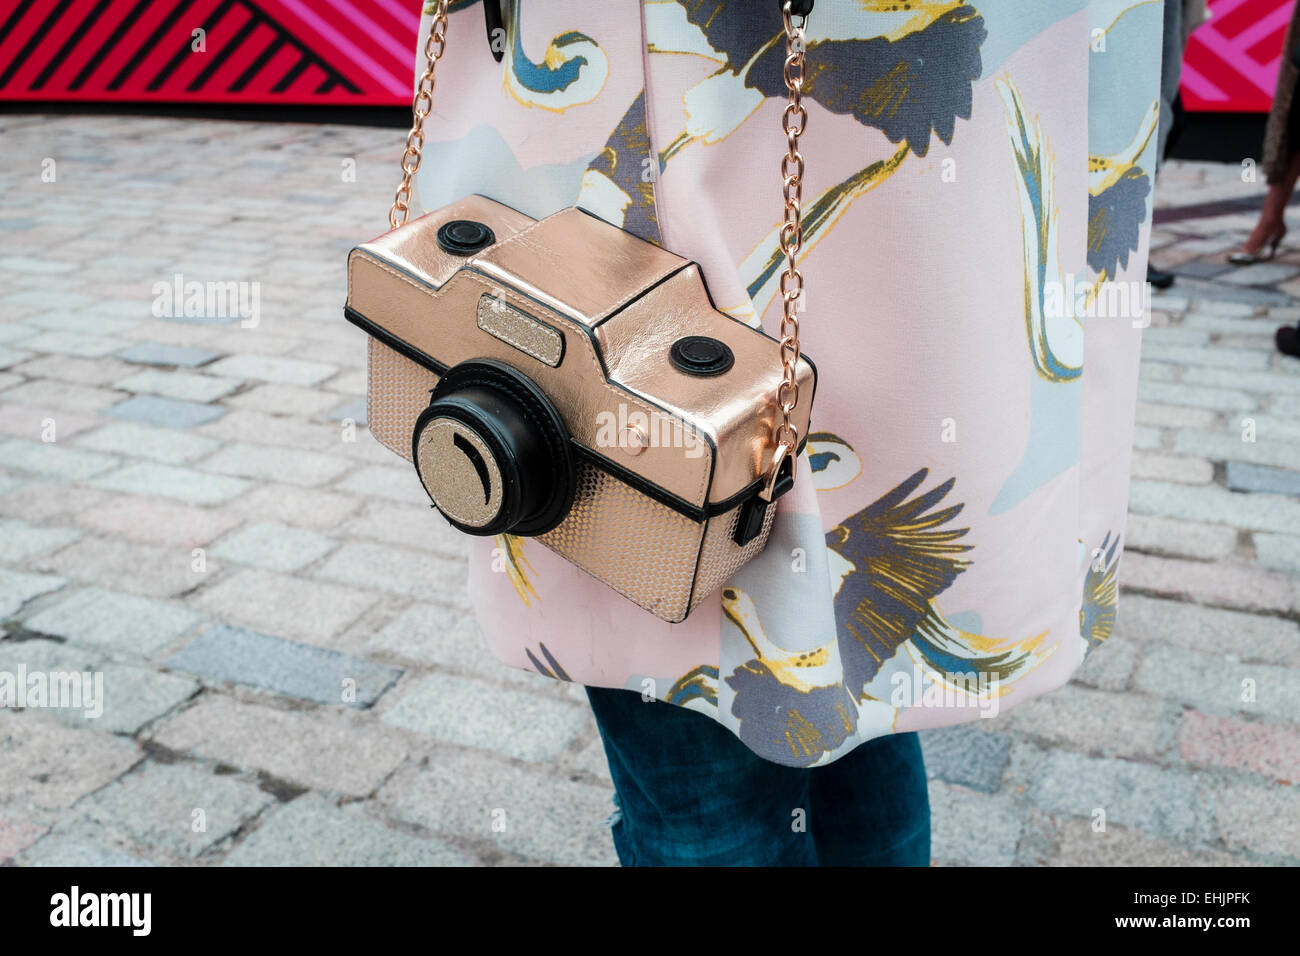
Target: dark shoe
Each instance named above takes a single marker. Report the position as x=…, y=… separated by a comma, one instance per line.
x=1288, y=340
x=1159, y=278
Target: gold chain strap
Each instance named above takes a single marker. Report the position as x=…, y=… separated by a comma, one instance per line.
x=421, y=106
x=793, y=120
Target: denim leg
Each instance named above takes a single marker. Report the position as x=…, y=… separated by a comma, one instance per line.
x=691, y=794
x=872, y=806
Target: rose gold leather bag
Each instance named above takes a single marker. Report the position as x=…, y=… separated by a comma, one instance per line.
x=565, y=380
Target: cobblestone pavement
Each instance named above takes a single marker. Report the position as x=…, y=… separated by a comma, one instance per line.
x=181, y=510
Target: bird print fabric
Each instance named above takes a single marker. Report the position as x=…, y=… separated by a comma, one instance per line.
x=977, y=199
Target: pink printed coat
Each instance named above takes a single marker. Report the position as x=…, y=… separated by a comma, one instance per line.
x=979, y=192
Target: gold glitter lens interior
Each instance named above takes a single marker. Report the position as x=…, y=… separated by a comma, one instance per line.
x=459, y=472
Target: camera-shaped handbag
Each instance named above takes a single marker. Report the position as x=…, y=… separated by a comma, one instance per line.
x=564, y=380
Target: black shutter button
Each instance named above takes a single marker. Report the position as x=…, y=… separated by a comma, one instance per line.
x=461, y=237
x=701, y=355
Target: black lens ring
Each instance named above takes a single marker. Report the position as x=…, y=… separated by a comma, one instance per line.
x=540, y=413
x=469, y=415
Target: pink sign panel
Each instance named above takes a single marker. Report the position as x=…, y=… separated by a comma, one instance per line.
x=1232, y=60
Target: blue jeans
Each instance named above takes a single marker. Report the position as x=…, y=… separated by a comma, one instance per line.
x=689, y=793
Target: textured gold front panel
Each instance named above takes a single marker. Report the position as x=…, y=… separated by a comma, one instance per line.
x=645, y=550
x=722, y=557
x=397, y=391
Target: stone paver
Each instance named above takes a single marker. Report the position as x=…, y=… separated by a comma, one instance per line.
x=312, y=508
x=268, y=463
x=1220, y=684
x=125, y=696
x=1155, y=800
x=385, y=481
x=284, y=399
x=972, y=828
x=313, y=832
x=401, y=572
x=20, y=540
x=281, y=604
x=165, y=445
x=16, y=589
x=425, y=635
x=126, y=566
x=59, y=850
x=1081, y=844
x=157, y=353
x=1111, y=670
x=323, y=750
x=279, y=432
x=183, y=484
x=485, y=799
x=167, y=812
x=133, y=446
x=49, y=765
x=475, y=714
x=1268, y=749
x=185, y=386
x=967, y=755
x=166, y=412
x=283, y=371
x=115, y=622
x=1114, y=724
x=1230, y=585
x=1161, y=467
x=1242, y=476
x=72, y=343
x=1255, y=818
x=17, y=833
x=1183, y=539
x=64, y=368
x=58, y=395
x=239, y=656
x=27, y=421
x=273, y=546
x=1281, y=552
x=53, y=460
x=10, y=356
x=154, y=521
x=1246, y=637
x=408, y=526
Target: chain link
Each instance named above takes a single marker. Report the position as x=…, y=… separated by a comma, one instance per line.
x=421, y=107
x=793, y=120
